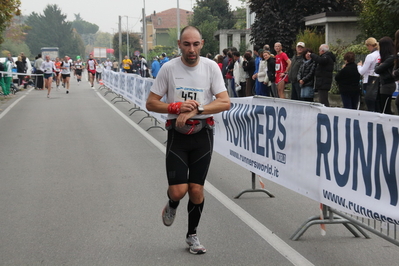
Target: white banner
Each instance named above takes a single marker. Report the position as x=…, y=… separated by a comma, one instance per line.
x=345, y=159
x=342, y=158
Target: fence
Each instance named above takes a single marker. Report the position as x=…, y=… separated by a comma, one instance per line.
x=349, y=156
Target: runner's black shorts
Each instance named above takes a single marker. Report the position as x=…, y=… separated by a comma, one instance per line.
x=188, y=156
x=64, y=76
x=78, y=72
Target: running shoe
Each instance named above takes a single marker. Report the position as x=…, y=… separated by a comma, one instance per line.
x=67, y=91
x=168, y=215
x=63, y=85
x=194, y=245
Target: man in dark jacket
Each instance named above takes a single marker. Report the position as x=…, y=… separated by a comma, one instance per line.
x=296, y=62
x=324, y=72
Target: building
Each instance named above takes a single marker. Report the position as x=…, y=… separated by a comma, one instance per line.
x=341, y=28
x=158, y=25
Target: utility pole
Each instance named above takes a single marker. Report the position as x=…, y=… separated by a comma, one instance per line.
x=178, y=26
x=144, y=32
x=120, y=40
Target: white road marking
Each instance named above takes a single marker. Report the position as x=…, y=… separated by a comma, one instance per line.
x=277, y=243
x=14, y=103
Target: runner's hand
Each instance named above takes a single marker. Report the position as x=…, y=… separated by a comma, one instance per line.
x=183, y=117
x=189, y=106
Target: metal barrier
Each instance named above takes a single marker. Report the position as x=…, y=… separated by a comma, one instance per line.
x=386, y=231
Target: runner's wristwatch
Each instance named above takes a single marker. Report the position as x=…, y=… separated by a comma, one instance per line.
x=200, y=109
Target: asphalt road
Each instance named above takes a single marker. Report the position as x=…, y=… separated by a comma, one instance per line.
x=81, y=185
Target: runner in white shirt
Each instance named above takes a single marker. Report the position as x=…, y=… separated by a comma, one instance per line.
x=48, y=67
x=99, y=72
x=66, y=72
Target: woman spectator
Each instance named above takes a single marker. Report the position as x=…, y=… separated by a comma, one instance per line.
x=249, y=67
x=348, y=82
x=219, y=61
x=20, y=69
x=306, y=76
x=384, y=69
x=263, y=79
x=366, y=69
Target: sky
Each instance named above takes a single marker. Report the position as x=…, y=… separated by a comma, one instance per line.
x=105, y=13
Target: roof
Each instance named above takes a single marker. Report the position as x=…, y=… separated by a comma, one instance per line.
x=168, y=19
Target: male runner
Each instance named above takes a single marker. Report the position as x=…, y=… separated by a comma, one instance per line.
x=189, y=82
x=78, y=70
x=91, y=68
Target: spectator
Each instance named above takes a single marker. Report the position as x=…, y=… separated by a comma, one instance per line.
x=257, y=50
x=239, y=74
x=143, y=67
x=249, y=67
x=271, y=72
x=115, y=66
x=219, y=61
x=283, y=63
x=108, y=64
x=20, y=69
x=229, y=76
x=384, y=69
x=164, y=59
x=7, y=77
x=348, y=79
x=155, y=67
x=296, y=62
x=366, y=69
x=261, y=76
x=324, y=72
x=306, y=75
x=224, y=66
x=39, y=71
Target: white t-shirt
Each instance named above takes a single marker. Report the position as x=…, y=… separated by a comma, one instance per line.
x=108, y=65
x=99, y=68
x=180, y=82
x=48, y=67
x=78, y=65
x=369, y=65
x=67, y=70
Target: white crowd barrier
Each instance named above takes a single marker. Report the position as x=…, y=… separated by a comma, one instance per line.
x=345, y=159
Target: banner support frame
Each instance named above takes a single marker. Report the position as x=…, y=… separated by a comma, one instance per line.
x=254, y=189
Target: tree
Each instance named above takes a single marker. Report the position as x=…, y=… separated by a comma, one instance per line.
x=378, y=20
x=52, y=30
x=8, y=9
x=281, y=21
x=103, y=39
x=390, y=5
x=216, y=9
x=134, y=44
x=208, y=28
x=84, y=27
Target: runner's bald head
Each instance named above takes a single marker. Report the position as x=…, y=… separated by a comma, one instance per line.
x=190, y=28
